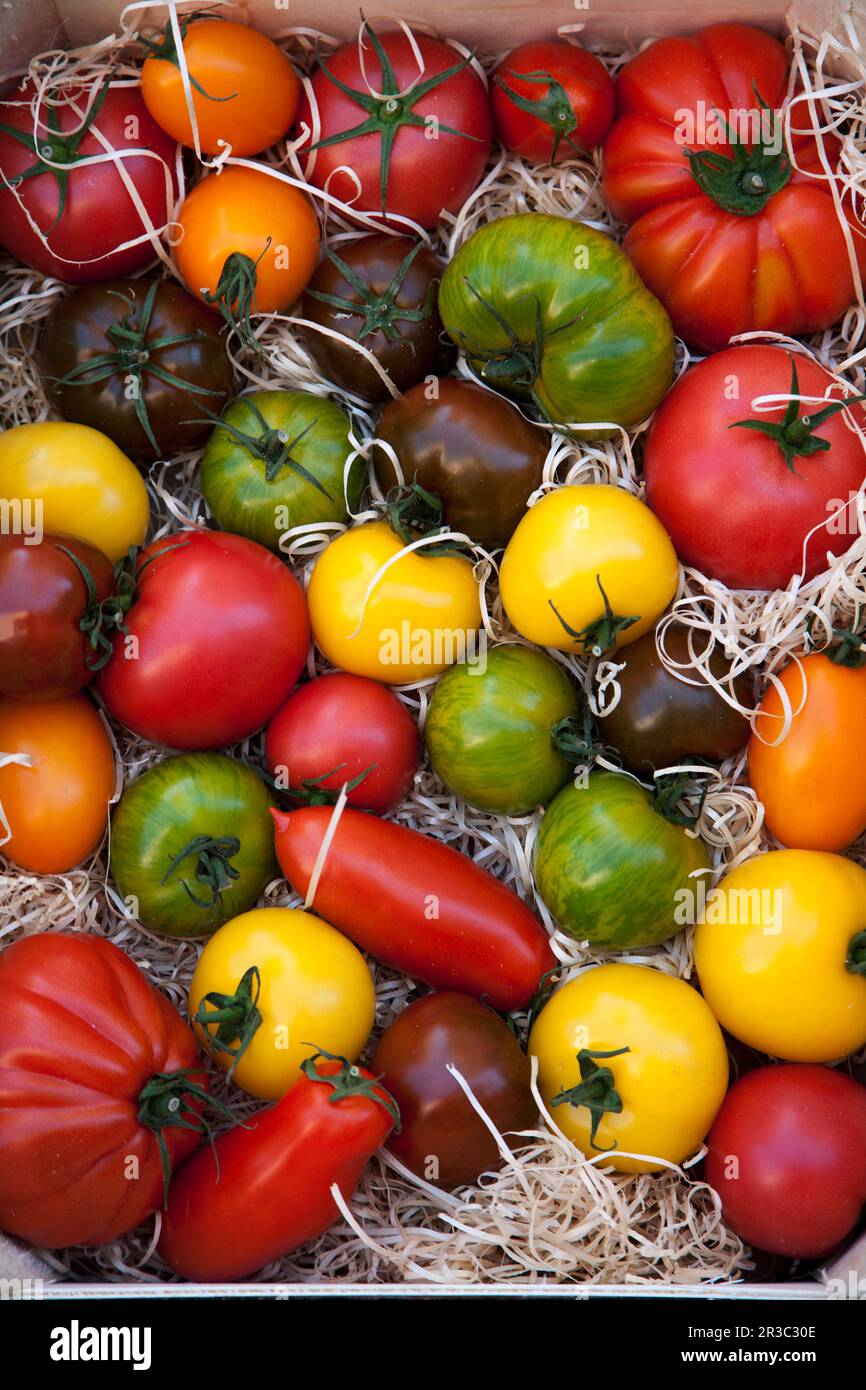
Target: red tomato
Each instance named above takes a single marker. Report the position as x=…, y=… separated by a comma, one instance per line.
x=265, y=1186
x=417, y=904
x=94, y=1065
x=551, y=101
x=739, y=502
x=215, y=641
x=339, y=727
x=787, y=1156
x=723, y=230
x=84, y=213
x=425, y=139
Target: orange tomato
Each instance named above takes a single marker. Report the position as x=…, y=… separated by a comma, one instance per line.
x=258, y=224
x=812, y=783
x=244, y=89
x=57, y=806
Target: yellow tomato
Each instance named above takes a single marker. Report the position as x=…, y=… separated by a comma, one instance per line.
x=74, y=481
x=576, y=548
x=781, y=954
x=421, y=615
x=281, y=984
x=669, y=1083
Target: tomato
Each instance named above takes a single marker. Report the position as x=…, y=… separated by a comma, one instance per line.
x=70, y=480
x=778, y=483
x=610, y=867
x=95, y=1063
x=416, y=904
x=442, y=1137
x=265, y=1188
x=266, y=983
x=142, y=362
x=781, y=954
x=244, y=90
x=489, y=730
x=191, y=843
x=589, y=567
x=787, y=1156
x=74, y=221
x=376, y=152
x=380, y=291
x=469, y=447
x=659, y=719
x=55, y=796
x=277, y=460
x=722, y=226
x=215, y=641
x=337, y=729
x=551, y=101
x=55, y=614
x=248, y=242
x=631, y=1064
x=551, y=311
x=414, y=619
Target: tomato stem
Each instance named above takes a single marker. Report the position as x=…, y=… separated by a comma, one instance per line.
x=349, y=1081
x=576, y=741
x=235, y=294
x=55, y=146
x=312, y=793
x=671, y=787
x=856, y=959
x=235, y=1017
x=745, y=179
x=164, y=1102
x=413, y=512
x=165, y=49
x=272, y=446
x=380, y=312
x=596, y=1090
x=600, y=635
x=794, y=433
x=213, y=869
x=552, y=107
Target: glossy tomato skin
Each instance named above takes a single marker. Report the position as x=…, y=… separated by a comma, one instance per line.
x=810, y=782
x=417, y=904
x=252, y=89
x=80, y=329
x=583, y=117
x=271, y=1191
x=345, y=725
x=411, y=349
x=99, y=215
x=56, y=797
x=221, y=634
x=718, y=272
x=82, y=1033
x=442, y=1137
x=660, y=720
x=44, y=654
x=787, y=1156
x=698, y=465
x=471, y=448
x=426, y=177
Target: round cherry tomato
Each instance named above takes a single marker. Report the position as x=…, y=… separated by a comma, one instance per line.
x=631, y=1064
x=337, y=729
x=470, y=448
x=379, y=291
x=787, y=1156
x=244, y=89
x=55, y=795
x=215, y=641
x=780, y=950
x=143, y=363
x=268, y=982
x=72, y=481
x=551, y=101
x=72, y=221
x=442, y=1137
x=589, y=569
x=766, y=477
x=402, y=168
x=810, y=783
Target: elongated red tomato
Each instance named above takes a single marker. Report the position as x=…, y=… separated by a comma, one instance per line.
x=265, y=1186
x=417, y=904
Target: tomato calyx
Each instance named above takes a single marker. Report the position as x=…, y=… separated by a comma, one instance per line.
x=577, y=742
x=55, y=147
x=235, y=1017
x=388, y=113
x=235, y=295
x=595, y=1090
x=312, y=793
x=671, y=787
x=413, y=513
x=380, y=312
x=213, y=871
x=552, y=107
x=855, y=961
x=349, y=1081
x=272, y=446
x=794, y=433
x=845, y=646
x=744, y=180
x=599, y=636
x=165, y=49
x=164, y=1102
x=102, y=619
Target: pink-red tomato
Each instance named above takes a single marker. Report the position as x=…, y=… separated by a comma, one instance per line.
x=551, y=101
